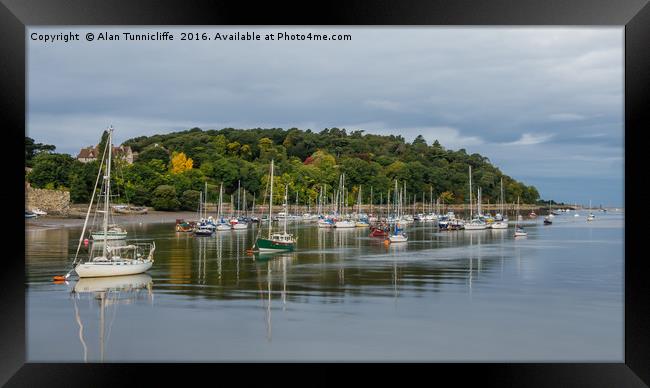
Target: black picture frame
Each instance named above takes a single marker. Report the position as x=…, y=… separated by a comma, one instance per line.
x=15, y=15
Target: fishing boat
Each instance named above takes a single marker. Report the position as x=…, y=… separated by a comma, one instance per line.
x=185, y=226
x=111, y=259
x=519, y=231
x=275, y=242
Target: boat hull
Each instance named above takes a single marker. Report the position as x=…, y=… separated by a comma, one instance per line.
x=266, y=245
x=109, y=236
x=345, y=224
x=91, y=270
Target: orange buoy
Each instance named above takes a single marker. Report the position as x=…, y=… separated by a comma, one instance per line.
x=58, y=278
x=387, y=242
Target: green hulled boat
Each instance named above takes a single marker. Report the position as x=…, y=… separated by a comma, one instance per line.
x=278, y=242
x=275, y=242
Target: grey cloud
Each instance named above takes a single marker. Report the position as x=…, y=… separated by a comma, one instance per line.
x=474, y=88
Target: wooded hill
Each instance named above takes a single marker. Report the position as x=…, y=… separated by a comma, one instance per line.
x=171, y=168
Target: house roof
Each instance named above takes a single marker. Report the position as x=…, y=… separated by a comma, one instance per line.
x=93, y=152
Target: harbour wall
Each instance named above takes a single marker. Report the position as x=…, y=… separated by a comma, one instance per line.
x=54, y=202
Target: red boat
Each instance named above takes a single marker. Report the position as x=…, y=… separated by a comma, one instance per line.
x=378, y=232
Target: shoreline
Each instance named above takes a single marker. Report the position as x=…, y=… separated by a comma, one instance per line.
x=152, y=217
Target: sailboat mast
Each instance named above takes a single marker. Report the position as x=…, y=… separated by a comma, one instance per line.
x=286, y=200
x=271, y=200
x=359, y=203
x=107, y=178
x=220, y=201
x=502, y=212
x=238, y=197
x=470, y=192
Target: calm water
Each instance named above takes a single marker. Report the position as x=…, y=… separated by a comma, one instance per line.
x=556, y=295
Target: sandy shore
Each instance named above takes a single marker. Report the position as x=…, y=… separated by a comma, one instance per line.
x=152, y=217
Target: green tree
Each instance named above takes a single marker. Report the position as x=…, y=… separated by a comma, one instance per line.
x=153, y=152
x=32, y=149
x=51, y=170
x=164, y=198
x=190, y=200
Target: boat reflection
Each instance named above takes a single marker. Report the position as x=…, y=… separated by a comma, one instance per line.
x=267, y=264
x=109, y=291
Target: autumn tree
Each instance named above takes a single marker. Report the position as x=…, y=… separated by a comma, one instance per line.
x=180, y=162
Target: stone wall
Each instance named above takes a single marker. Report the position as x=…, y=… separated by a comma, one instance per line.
x=54, y=202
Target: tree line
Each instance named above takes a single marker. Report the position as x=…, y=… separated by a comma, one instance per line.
x=171, y=169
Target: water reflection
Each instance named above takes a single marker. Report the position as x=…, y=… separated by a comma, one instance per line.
x=108, y=292
x=266, y=265
x=338, y=283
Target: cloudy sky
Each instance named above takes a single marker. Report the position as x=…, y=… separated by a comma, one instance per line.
x=543, y=104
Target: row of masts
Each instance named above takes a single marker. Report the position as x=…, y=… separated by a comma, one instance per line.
x=337, y=203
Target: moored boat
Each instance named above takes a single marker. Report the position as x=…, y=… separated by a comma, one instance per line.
x=113, y=259
x=275, y=242
x=519, y=231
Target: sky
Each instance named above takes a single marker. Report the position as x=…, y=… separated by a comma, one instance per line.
x=544, y=104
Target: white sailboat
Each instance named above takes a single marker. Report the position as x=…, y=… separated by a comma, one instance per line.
x=362, y=220
x=473, y=223
x=344, y=223
x=397, y=235
x=238, y=223
x=222, y=225
x=519, y=231
x=112, y=260
x=591, y=215
x=500, y=222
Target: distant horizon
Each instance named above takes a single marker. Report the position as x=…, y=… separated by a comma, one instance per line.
x=544, y=104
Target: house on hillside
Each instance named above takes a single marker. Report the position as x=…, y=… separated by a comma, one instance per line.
x=92, y=153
